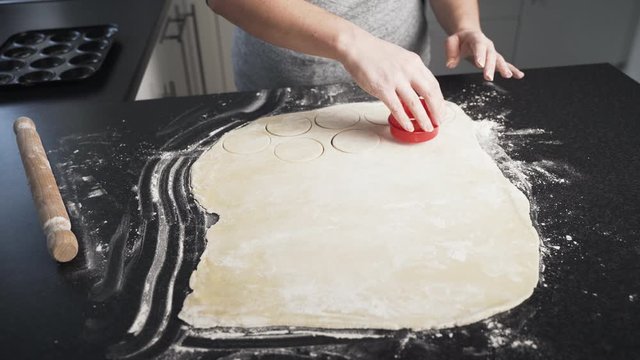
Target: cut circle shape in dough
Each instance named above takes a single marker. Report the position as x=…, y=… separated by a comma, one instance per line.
x=299, y=150
x=288, y=125
x=337, y=119
x=449, y=112
x=376, y=113
x=249, y=142
x=355, y=141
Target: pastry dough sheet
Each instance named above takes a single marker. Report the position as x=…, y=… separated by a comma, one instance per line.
x=383, y=235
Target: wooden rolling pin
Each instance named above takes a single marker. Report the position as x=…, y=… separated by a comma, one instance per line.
x=62, y=243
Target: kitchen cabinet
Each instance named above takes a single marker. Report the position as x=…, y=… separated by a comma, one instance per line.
x=192, y=54
x=632, y=67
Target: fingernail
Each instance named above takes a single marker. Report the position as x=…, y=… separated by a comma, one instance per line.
x=409, y=127
x=509, y=74
x=480, y=62
x=450, y=63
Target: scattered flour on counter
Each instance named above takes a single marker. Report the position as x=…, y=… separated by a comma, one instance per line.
x=524, y=343
x=499, y=336
x=96, y=193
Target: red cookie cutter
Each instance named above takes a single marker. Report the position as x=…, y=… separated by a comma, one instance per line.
x=418, y=135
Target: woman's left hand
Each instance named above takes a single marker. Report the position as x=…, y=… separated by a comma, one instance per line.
x=480, y=51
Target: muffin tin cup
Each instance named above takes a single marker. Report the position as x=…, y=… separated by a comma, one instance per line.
x=54, y=55
x=9, y=66
x=56, y=50
x=19, y=52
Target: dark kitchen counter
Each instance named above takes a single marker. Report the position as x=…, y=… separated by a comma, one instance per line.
x=139, y=25
x=571, y=133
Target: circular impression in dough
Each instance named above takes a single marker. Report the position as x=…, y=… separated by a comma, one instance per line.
x=376, y=113
x=355, y=141
x=299, y=150
x=449, y=113
x=337, y=119
x=246, y=142
x=288, y=125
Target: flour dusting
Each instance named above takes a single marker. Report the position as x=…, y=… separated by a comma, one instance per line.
x=499, y=335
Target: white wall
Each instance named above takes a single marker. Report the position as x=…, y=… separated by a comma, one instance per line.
x=633, y=64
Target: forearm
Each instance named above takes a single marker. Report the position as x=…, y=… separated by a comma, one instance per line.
x=293, y=24
x=385, y=70
x=457, y=15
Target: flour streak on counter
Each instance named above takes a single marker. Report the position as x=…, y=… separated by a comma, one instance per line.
x=164, y=193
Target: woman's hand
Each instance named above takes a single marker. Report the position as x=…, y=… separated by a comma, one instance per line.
x=395, y=76
x=475, y=46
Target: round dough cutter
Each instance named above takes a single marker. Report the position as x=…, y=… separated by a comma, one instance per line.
x=418, y=135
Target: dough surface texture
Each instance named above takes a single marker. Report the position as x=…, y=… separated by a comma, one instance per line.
x=344, y=229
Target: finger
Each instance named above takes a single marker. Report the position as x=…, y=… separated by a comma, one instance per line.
x=503, y=67
x=479, y=54
x=395, y=106
x=429, y=89
x=516, y=72
x=490, y=64
x=452, y=48
x=411, y=99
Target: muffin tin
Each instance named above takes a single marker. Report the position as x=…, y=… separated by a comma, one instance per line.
x=54, y=55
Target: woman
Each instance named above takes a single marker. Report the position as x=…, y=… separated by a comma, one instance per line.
x=381, y=44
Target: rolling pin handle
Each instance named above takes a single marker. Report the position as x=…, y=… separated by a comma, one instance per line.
x=63, y=245
x=23, y=123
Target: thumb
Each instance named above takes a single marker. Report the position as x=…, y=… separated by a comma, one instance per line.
x=452, y=48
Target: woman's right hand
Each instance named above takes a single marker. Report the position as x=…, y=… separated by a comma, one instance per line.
x=395, y=76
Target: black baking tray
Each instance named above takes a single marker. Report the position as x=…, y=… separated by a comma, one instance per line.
x=41, y=56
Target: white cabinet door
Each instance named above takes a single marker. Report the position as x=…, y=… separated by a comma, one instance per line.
x=567, y=32
x=226, y=30
x=215, y=43
x=168, y=71
x=189, y=57
x=633, y=63
x=164, y=75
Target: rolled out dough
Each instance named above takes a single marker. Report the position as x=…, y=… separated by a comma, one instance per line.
x=394, y=236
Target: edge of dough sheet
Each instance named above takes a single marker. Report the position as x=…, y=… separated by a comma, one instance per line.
x=199, y=319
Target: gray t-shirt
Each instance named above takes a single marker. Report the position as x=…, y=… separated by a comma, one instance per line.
x=260, y=65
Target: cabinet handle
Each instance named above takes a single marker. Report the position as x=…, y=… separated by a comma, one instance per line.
x=169, y=89
x=180, y=20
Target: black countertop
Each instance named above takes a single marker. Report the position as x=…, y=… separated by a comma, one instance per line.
x=570, y=143
x=118, y=79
